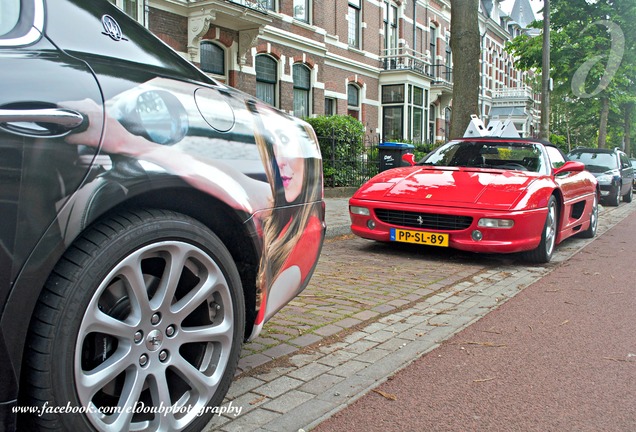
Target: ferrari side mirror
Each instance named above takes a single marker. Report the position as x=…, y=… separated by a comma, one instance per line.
x=569, y=166
x=409, y=158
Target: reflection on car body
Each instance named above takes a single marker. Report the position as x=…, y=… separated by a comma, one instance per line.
x=151, y=221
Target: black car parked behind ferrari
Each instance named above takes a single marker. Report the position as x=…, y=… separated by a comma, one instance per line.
x=612, y=170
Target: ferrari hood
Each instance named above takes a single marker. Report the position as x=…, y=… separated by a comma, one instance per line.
x=451, y=187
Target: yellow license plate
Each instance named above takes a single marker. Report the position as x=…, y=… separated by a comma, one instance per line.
x=419, y=237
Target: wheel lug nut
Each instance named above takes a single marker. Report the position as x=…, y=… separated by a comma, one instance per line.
x=139, y=335
x=156, y=317
x=170, y=331
x=143, y=360
x=163, y=355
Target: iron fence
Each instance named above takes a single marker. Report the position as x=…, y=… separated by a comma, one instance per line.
x=348, y=164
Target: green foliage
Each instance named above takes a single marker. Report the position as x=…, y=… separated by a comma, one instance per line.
x=560, y=141
x=345, y=131
x=343, y=151
x=593, y=56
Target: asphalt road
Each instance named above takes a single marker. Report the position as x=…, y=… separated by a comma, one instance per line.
x=559, y=356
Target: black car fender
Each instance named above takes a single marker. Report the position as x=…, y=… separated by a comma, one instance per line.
x=108, y=193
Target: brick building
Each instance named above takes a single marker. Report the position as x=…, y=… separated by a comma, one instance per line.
x=386, y=62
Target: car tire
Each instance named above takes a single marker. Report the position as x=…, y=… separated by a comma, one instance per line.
x=145, y=308
x=628, y=196
x=543, y=253
x=590, y=232
x=615, y=200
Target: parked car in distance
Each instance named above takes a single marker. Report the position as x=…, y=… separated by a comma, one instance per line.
x=612, y=169
x=150, y=223
x=633, y=162
x=494, y=195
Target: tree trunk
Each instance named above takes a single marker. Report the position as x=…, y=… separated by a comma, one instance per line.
x=602, y=130
x=465, y=47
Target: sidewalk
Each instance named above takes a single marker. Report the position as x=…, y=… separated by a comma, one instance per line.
x=337, y=216
x=360, y=321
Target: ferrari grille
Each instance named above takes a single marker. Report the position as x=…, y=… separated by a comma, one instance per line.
x=424, y=220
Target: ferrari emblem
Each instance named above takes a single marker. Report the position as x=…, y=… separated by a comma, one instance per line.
x=420, y=220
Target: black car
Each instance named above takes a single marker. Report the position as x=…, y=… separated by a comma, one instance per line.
x=150, y=223
x=612, y=170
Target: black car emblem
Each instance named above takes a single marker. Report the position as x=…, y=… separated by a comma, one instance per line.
x=112, y=28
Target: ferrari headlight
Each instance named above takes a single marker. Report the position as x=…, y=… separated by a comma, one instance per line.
x=362, y=211
x=495, y=223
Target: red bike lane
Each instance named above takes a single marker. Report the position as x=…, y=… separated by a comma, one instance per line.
x=559, y=356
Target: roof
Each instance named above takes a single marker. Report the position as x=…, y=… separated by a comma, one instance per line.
x=594, y=150
x=522, y=13
x=506, y=139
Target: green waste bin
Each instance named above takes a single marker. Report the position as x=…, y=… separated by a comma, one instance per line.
x=391, y=154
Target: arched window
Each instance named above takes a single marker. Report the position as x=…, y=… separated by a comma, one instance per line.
x=353, y=101
x=212, y=58
x=266, y=79
x=302, y=87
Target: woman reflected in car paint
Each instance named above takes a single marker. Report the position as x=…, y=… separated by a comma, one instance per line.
x=211, y=176
x=292, y=231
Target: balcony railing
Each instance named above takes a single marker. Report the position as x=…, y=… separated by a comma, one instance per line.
x=513, y=93
x=257, y=5
x=403, y=58
x=442, y=74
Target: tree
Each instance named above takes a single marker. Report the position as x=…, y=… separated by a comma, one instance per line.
x=593, y=66
x=465, y=46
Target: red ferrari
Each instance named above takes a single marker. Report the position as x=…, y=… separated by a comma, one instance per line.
x=483, y=194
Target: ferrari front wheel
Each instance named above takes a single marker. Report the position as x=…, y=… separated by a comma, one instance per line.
x=139, y=327
x=543, y=252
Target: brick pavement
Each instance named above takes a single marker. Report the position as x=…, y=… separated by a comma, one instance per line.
x=369, y=311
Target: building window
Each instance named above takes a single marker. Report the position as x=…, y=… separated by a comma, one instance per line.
x=268, y=4
x=301, y=10
x=390, y=26
x=393, y=93
x=302, y=87
x=133, y=8
x=212, y=58
x=433, y=43
x=354, y=23
x=432, y=128
x=266, y=79
x=447, y=120
x=416, y=108
x=353, y=101
x=393, y=123
x=393, y=115
x=330, y=106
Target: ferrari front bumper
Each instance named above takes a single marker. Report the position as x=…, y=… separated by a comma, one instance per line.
x=525, y=234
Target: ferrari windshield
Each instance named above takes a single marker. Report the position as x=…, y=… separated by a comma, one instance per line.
x=522, y=156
